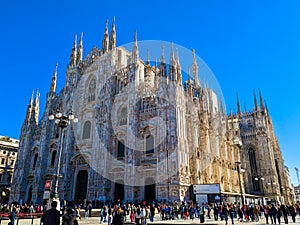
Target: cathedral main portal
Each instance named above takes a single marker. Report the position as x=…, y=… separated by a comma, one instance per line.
x=81, y=185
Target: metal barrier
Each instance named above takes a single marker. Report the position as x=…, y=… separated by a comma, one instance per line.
x=28, y=216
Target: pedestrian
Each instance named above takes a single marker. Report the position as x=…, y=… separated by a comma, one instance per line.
x=51, y=216
x=69, y=217
x=279, y=214
x=12, y=216
x=273, y=214
x=284, y=211
x=266, y=212
x=152, y=212
x=231, y=213
x=225, y=214
x=77, y=216
x=216, y=212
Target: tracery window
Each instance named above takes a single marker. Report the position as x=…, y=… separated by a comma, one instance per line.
x=149, y=144
x=86, y=134
x=53, y=157
x=91, y=92
x=253, y=168
x=123, y=117
x=35, y=160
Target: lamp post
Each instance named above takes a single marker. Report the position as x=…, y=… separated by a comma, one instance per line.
x=272, y=183
x=262, y=187
x=239, y=170
x=63, y=121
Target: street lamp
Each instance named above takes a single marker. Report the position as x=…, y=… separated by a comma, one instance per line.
x=239, y=170
x=63, y=121
x=272, y=183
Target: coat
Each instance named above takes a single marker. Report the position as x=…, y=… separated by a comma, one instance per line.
x=51, y=217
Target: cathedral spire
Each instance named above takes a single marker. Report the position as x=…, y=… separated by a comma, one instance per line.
x=36, y=108
x=80, y=50
x=54, y=79
x=195, y=69
x=112, y=40
x=162, y=66
x=148, y=57
x=162, y=54
x=74, y=52
x=105, y=39
x=189, y=85
x=238, y=104
x=179, y=75
x=29, y=109
x=255, y=101
x=261, y=100
x=135, y=49
x=172, y=66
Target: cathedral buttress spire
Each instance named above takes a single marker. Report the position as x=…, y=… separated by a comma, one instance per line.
x=261, y=100
x=105, y=39
x=54, y=79
x=172, y=66
x=74, y=52
x=238, y=104
x=36, y=108
x=148, y=57
x=29, y=109
x=189, y=85
x=195, y=69
x=135, y=49
x=179, y=75
x=163, y=54
x=80, y=50
x=255, y=101
x=162, y=66
x=112, y=40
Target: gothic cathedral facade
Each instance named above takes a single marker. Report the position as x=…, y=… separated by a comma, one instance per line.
x=143, y=133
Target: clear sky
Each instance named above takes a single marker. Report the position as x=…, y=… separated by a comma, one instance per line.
x=247, y=44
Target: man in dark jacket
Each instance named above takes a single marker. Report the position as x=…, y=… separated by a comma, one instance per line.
x=51, y=216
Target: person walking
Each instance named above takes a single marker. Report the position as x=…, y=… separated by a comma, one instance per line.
x=231, y=213
x=225, y=213
x=12, y=216
x=216, y=212
x=51, y=216
x=279, y=214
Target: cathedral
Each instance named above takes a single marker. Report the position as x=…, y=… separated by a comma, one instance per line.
x=144, y=133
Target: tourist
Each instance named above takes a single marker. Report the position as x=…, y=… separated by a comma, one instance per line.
x=51, y=216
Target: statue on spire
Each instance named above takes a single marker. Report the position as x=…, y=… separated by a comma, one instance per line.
x=178, y=68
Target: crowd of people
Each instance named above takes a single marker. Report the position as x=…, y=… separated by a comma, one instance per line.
x=140, y=213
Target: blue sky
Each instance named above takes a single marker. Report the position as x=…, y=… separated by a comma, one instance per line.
x=247, y=44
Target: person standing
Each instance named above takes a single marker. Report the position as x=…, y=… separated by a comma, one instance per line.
x=266, y=212
x=216, y=212
x=279, y=214
x=273, y=214
x=51, y=216
x=284, y=211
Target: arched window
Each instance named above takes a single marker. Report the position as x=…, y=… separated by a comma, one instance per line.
x=53, y=157
x=149, y=144
x=121, y=150
x=86, y=130
x=123, y=117
x=91, y=92
x=35, y=160
x=253, y=167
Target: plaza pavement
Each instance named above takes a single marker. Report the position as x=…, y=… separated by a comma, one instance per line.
x=157, y=221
